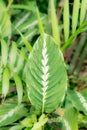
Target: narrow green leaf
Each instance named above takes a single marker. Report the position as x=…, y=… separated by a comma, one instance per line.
x=5, y=82
x=20, y=62
x=4, y=52
x=66, y=19
x=83, y=11
x=27, y=44
x=13, y=55
x=72, y=37
x=54, y=21
x=19, y=87
x=70, y=119
x=40, y=22
x=75, y=15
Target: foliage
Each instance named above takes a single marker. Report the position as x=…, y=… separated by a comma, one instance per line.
x=38, y=90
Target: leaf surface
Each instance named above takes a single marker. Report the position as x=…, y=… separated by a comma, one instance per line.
x=46, y=76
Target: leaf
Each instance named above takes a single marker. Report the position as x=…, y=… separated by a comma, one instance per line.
x=75, y=14
x=66, y=19
x=29, y=121
x=5, y=23
x=72, y=37
x=54, y=22
x=28, y=36
x=83, y=11
x=38, y=125
x=78, y=100
x=4, y=50
x=20, y=62
x=40, y=22
x=46, y=76
x=5, y=81
x=29, y=23
x=11, y=112
x=27, y=44
x=19, y=87
x=13, y=56
x=70, y=119
x=17, y=127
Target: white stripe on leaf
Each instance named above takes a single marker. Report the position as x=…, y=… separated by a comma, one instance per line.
x=82, y=100
x=66, y=124
x=45, y=69
x=9, y=114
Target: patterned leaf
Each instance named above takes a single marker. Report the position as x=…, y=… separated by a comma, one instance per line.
x=11, y=112
x=79, y=100
x=46, y=76
x=70, y=119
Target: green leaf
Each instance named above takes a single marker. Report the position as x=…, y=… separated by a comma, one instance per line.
x=66, y=19
x=54, y=22
x=27, y=44
x=78, y=100
x=10, y=112
x=72, y=37
x=40, y=22
x=70, y=119
x=13, y=56
x=46, y=76
x=4, y=50
x=75, y=14
x=5, y=23
x=5, y=81
x=19, y=87
x=83, y=11
x=42, y=120
x=20, y=62
x=29, y=121
x=17, y=127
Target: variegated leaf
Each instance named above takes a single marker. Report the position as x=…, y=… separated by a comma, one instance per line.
x=11, y=112
x=79, y=100
x=70, y=119
x=46, y=76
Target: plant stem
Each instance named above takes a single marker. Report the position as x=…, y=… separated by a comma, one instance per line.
x=9, y=4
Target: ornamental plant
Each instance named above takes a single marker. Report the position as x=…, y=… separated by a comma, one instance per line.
x=35, y=88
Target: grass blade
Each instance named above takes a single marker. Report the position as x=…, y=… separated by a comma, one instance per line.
x=66, y=19
x=83, y=11
x=75, y=15
x=54, y=22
